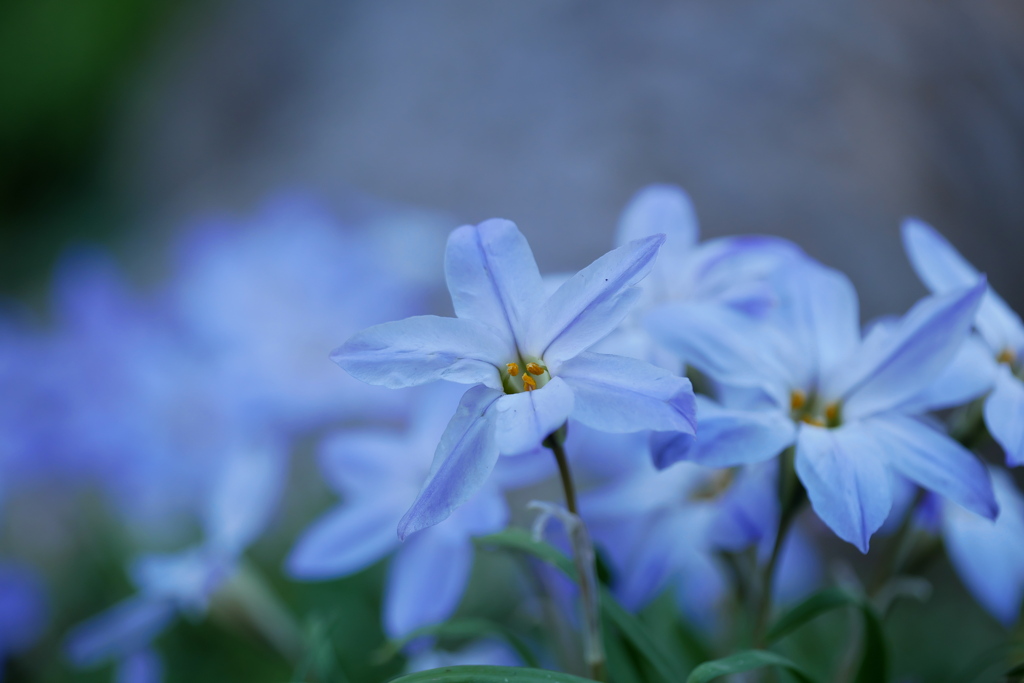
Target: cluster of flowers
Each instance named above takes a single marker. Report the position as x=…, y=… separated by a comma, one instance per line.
x=791, y=381
x=179, y=406
x=185, y=404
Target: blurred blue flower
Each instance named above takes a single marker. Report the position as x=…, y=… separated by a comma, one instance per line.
x=23, y=610
x=378, y=473
x=988, y=555
x=525, y=352
x=264, y=299
x=942, y=269
x=731, y=272
x=109, y=399
x=245, y=495
x=848, y=404
x=664, y=529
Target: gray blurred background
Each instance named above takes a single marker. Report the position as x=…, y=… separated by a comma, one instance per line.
x=823, y=122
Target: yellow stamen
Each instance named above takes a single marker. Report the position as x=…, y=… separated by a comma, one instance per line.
x=832, y=413
x=513, y=369
x=529, y=383
x=1007, y=356
x=812, y=421
x=797, y=399
x=534, y=369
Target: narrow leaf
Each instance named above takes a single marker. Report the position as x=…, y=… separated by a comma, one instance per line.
x=874, y=660
x=746, y=661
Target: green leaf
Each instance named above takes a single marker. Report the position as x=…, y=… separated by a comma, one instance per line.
x=638, y=638
x=874, y=661
x=746, y=661
x=464, y=629
x=612, y=613
x=489, y=674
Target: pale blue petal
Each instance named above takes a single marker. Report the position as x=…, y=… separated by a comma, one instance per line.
x=524, y=420
x=726, y=437
x=618, y=394
x=969, y=375
x=356, y=463
x=703, y=584
x=188, y=577
x=725, y=344
x=737, y=270
x=934, y=461
x=846, y=480
x=647, y=570
x=424, y=349
x=245, y=495
x=819, y=313
x=143, y=666
x=124, y=628
x=989, y=556
x=591, y=303
x=1004, y=415
x=660, y=210
x=525, y=469
x=942, y=269
x=493, y=277
x=464, y=457
x=748, y=511
x=345, y=540
x=485, y=513
x=801, y=570
x=894, y=365
x=426, y=581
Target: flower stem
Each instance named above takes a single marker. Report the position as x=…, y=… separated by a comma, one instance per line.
x=791, y=499
x=583, y=557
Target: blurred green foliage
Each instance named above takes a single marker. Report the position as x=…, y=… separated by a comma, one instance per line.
x=63, y=66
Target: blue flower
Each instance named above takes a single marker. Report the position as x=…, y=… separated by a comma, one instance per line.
x=378, y=473
x=730, y=272
x=666, y=528
x=526, y=354
x=848, y=404
x=23, y=610
x=988, y=555
x=943, y=269
x=262, y=298
x=239, y=509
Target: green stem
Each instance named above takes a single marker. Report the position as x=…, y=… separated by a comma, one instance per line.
x=791, y=499
x=583, y=557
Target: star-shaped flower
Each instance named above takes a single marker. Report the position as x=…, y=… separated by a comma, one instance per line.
x=526, y=354
x=942, y=269
x=848, y=404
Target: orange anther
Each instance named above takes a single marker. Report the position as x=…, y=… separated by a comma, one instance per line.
x=513, y=369
x=813, y=421
x=529, y=383
x=534, y=369
x=1007, y=356
x=832, y=413
x=797, y=399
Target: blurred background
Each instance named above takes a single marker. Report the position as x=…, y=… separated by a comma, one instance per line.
x=126, y=123
x=123, y=120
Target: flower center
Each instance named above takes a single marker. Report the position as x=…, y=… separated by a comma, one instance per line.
x=515, y=380
x=813, y=410
x=715, y=485
x=1007, y=356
